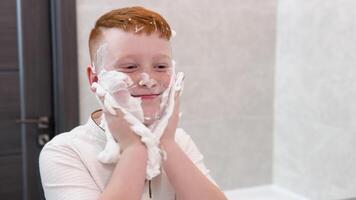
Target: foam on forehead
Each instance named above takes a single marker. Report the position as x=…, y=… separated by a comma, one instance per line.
x=99, y=60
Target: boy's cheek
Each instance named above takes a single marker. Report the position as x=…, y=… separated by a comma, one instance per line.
x=166, y=78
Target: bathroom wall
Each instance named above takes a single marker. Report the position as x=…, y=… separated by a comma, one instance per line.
x=227, y=50
x=315, y=98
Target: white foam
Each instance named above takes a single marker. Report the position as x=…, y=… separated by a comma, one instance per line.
x=99, y=62
x=174, y=33
x=112, y=93
x=147, y=81
x=138, y=29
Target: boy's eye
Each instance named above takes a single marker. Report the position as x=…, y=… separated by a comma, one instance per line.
x=127, y=68
x=161, y=67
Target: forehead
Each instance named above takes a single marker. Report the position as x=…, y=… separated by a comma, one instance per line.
x=122, y=43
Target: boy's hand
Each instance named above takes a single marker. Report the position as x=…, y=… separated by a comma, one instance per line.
x=170, y=130
x=120, y=130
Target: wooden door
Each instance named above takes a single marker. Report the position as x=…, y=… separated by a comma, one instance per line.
x=33, y=64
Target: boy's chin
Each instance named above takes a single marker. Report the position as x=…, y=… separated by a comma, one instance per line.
x=148, y=122
x=151, y=114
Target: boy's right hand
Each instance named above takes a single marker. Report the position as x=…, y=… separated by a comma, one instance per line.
x=120, y=130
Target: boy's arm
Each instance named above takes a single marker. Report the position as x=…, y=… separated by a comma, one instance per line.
x=65, y=177
x=128, y=178
x=187, y=179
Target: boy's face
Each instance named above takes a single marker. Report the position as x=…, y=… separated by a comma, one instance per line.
x=146, y=59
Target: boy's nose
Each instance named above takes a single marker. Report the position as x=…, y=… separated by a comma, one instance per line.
x=147, y=81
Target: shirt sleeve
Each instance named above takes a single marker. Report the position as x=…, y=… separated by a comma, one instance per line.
x=192, y=151
x=64, y=176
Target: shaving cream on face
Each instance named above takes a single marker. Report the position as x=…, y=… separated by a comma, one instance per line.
x=112, y=87
x=147, y=81
x=149, y=103
x=99, y=59
x=113, y=91
x=151, y=90
x=150, y=108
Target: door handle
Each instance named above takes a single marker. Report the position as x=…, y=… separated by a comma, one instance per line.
x=44, y=128
x=42, y=122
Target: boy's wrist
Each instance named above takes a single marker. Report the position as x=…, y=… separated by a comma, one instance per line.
x=163, y=146
x=137, y=146
x=166, y=141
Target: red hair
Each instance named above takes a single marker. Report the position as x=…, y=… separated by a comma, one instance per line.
x=136, y=19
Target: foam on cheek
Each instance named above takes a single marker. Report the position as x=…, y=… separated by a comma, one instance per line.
x=112, y=90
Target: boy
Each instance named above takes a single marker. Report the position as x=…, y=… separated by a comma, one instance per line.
x=134, y=41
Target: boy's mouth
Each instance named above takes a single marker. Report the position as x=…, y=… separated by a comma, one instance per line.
x=146, y=96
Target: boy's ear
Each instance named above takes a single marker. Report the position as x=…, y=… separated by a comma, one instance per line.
x=92, y=76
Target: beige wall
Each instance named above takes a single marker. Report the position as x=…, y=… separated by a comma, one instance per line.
x=226, y=49
x=315, y=98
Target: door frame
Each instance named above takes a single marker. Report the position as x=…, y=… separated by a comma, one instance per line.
x=65, y=65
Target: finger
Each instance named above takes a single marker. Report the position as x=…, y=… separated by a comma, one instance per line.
x=179, y=82
x=118, y=113
x=177, y=95
x=177, y=99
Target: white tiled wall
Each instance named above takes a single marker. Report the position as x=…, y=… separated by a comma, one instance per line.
x=315, y=98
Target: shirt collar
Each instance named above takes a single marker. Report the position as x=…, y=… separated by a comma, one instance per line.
x=93, y=124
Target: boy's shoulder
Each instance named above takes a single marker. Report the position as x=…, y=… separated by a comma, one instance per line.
x=66, y=138
x=74, y=141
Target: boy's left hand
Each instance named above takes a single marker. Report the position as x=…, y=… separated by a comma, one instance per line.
x=170, y=130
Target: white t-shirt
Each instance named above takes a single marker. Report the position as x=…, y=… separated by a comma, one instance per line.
x=70, y=170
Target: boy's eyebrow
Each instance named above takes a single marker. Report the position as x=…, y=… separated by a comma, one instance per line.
x=125, y=57
x=128, y=56
x=117, y=59
x=162, y=56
